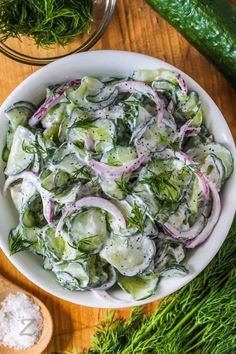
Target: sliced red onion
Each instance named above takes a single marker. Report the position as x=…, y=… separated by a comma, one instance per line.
x=183, y=156
x=91, y=202
x=189, y=234
x=48, y=203
x=114, y=171
x=215, y=214
x=192, y=131
x=205, y=184
x=50, y=102
x=182, y=84
x=182, y=131
x=129, y=86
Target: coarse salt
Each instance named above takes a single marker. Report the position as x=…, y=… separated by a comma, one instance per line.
x=20, y=321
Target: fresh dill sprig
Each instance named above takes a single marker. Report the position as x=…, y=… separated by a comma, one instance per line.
x=198, y=319
x=82, y=172
x=17, y=244
x=124, y=186
x=48, y=22
x=161, y=186
x=35, y=148
x=138, y=218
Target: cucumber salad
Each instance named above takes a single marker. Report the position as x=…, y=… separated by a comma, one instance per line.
x=114, y=180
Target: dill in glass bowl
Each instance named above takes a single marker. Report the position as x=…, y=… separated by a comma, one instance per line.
x=39, y=49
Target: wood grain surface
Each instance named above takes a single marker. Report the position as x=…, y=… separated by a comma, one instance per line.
x=134, y=27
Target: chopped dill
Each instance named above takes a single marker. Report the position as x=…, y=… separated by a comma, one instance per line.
x=83, y=172
x=124, y=185
x=17, y=244
x=138, y=218
x=47, y=22
x=36, y=148
x=161, y=185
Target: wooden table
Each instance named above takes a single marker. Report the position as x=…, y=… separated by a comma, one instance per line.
x=134, y=27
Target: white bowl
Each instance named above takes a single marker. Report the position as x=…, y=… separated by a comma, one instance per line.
x=100, y=64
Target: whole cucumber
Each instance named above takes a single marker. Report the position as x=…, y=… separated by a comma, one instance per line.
x=209, y=25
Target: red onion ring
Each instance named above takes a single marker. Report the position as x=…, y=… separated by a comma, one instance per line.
x=182, y=84
x=50, y=102
x=189, y=234
x=114, y=171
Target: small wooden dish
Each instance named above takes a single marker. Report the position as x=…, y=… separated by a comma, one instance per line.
x=6, y=287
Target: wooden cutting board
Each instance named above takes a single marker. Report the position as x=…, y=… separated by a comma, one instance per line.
x=135, y=27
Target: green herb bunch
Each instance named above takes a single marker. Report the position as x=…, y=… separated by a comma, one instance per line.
x=198, y=319
x=48, y=22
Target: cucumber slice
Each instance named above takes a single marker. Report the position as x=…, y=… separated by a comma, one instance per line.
x=179, y=219
x=66, y=280
x=21, y=193
x=54, y=247
x=59, y=155
x=130, y=256
x=19, y=160
x=102, y=133
x=111, y=278
x=88, y=230
x=175, y=270
x=111, y=189
x=54, y=116
x=152, y=137
x=82, y=155
x=31, y=214
x=139, y=287
x=158, y=74
x=69, y=195
x=71, y=275
x=126, y=209
x=53, y=119
x=84, y=274
x=97, y=270
x=194, y=199
x=92, y=95
x=24, y=238
x=168, y=253
x=19, y=113
x=70, y=253
x=119, y=156
x=214, y=169
x=145, y=199
x=168, y=179
x=200, y=153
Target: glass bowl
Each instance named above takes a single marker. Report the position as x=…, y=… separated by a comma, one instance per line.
x=24, y=50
